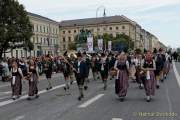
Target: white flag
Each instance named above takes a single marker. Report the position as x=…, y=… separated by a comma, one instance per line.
x=100, y=44
x=90, y=44
x=109, y=45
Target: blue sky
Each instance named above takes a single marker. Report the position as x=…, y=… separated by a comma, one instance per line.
x=160, y=17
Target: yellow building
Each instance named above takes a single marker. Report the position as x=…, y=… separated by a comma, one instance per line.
x=98, y=26
x=45, y=38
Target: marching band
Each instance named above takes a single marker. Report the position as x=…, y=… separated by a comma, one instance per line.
x=147, y=70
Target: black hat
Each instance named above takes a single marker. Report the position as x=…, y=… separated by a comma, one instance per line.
x=79, y=54
x=160, y=49
x=65, y=53
x=84, y=53
x=102, y=54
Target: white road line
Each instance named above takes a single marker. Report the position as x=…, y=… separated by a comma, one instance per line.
x=19, y=117
x=25, y=96
x=176, y=73
x=117, y=119
x=87, y=103
x=4, y=85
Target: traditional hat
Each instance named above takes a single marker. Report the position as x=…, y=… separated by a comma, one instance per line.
x=79, y=54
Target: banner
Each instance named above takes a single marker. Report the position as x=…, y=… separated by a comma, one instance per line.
x=100, y=44
x=109, y=45
x=90, y=44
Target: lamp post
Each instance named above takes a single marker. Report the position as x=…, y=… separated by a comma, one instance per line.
x=104, y=15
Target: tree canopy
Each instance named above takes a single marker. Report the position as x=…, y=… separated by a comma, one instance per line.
x=15, y=27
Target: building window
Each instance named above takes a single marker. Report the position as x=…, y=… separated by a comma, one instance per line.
x=104, y=28
x=123, y=27
x=33, y=39
x=69, y=31
x=110, y=28
x=47, y=30
x=117, y=28
x=41, y=40
x=64, y=32
x=98, y=29
x=37, y=28
x=44, y=29
x=44, y=40
x=40, y=28
x=37, y=40
x=16, y=53
x=64, y=39
x=21, y=53
x=69, y=38
x=74, y=31
x=64, y=47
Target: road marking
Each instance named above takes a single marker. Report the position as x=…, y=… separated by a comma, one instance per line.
x=4, y=85
x=19, y=117
x=176, y=73
x=87, y=103
x=117, y=119
x=25, y=96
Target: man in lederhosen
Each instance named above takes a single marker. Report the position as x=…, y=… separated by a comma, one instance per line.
x=80, y=71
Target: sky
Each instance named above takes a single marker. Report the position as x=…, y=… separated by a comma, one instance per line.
x=160, y=17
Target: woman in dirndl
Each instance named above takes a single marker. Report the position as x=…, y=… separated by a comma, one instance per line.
x=16, y=81
x=121, y=83
x=149, y=66
x=33, y=80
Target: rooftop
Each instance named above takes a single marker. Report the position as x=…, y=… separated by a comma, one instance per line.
x=41, y=17
x=99, y=20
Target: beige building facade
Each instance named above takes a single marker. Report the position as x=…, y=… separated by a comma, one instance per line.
x=113, y=25
x=45, y=38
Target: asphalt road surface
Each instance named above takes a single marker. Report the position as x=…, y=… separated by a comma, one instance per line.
x=98, y=104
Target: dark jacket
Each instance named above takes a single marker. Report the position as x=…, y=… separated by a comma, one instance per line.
x=82, y=67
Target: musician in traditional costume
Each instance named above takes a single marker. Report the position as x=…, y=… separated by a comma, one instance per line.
x=80, y=71
x=87, y=63
x=47, y=66
x=94, y=66
x=160, y=60
x=104, y=69
x=33, y=80
x=139, y=72
x=121, y=83
x=16, y=81
x=66, y=72
x=149, y=66
x=167, y=65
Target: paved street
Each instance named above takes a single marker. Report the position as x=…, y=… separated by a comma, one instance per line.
x=97, y=104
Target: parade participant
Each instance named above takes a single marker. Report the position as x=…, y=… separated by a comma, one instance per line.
x=132, y=68
x=148, y=66
x=94, y=66
x=87, y=63
x=112, y=61
x=80, y=71
x=72, y=59
x=5, y=70
x=16, y=81
x=167, y=65
x=33, y=80
x=160, y=60
x=66, y=72
x=47, y=66
x=138, y=61
x=121, y=83
x=104, y=66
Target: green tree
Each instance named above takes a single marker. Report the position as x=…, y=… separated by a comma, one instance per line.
x=15, y=27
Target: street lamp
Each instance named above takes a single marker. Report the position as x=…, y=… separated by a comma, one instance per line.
x=104, y=15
